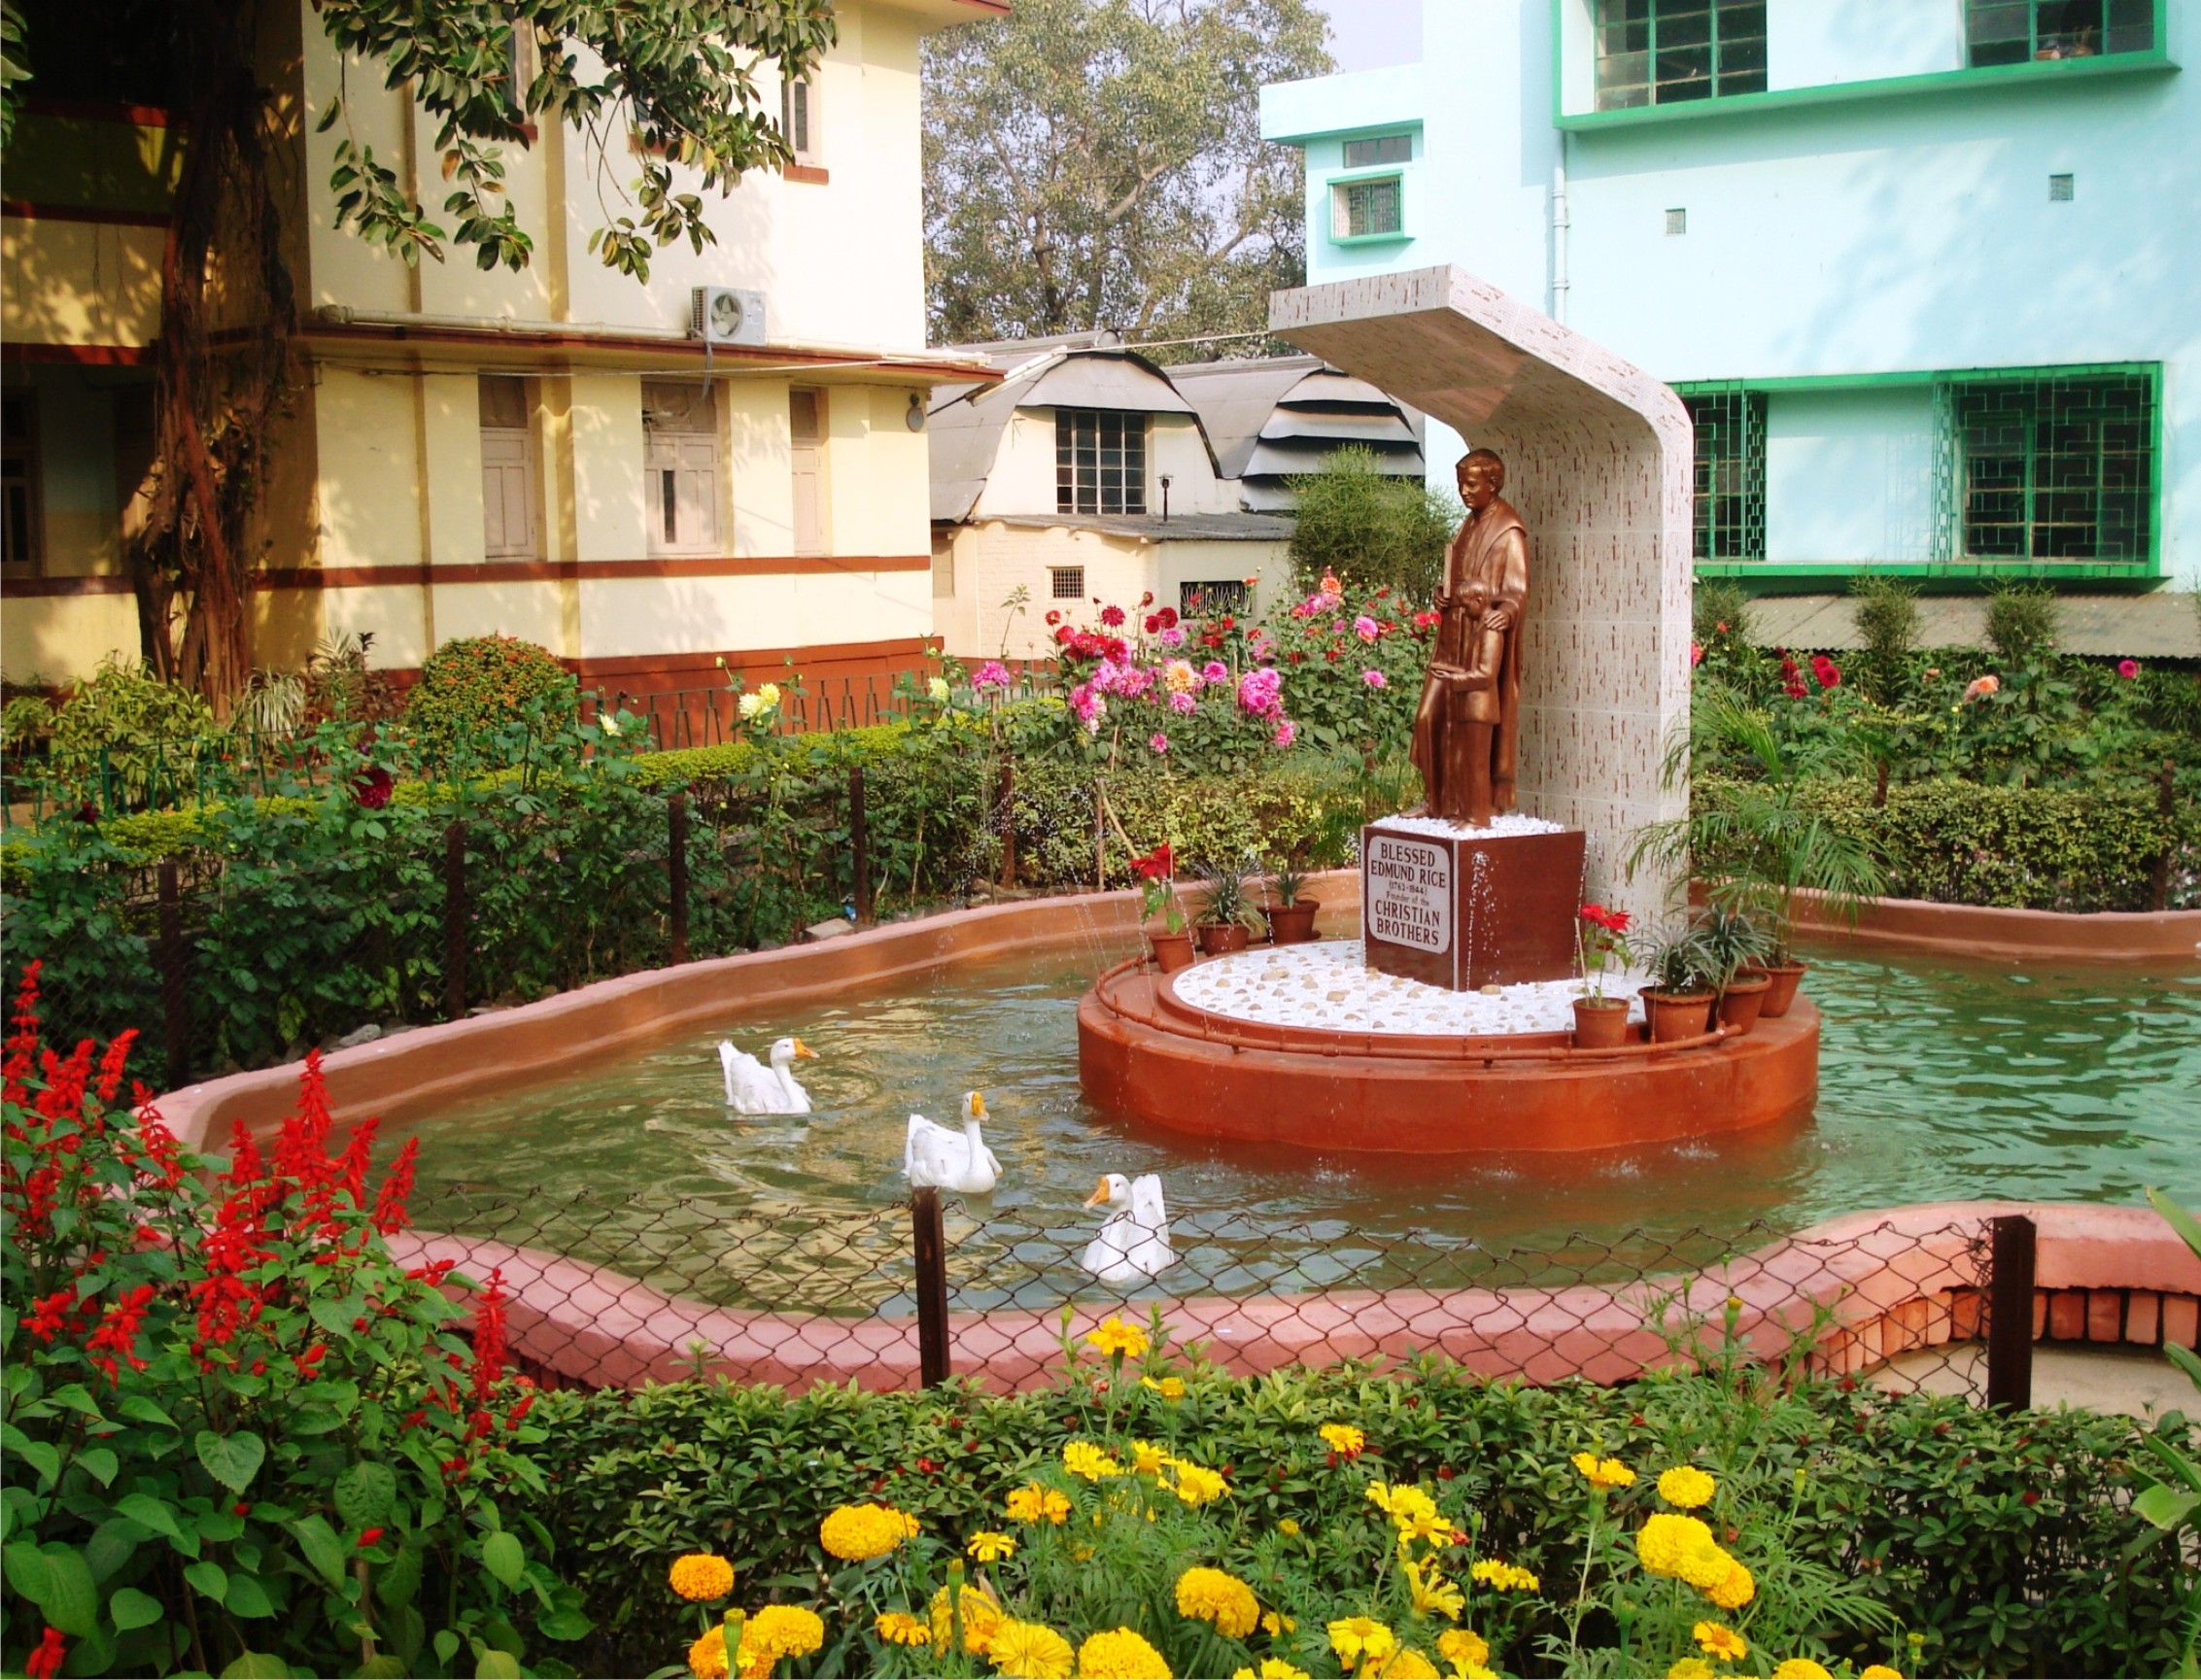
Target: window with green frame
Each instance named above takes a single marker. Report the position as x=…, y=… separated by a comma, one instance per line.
x=1662, y=52
x=2054, y=467
x=1730, y=501
x=2019, y=31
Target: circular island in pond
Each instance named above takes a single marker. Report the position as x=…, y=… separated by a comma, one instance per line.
x=1305, y=1044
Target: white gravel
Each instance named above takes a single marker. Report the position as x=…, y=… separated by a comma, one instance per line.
x=1501, y=828
x=1330, y=984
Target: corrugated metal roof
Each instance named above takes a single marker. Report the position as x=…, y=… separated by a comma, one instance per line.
x=2158, y=626
x=1244, y=402
x=1152, y=527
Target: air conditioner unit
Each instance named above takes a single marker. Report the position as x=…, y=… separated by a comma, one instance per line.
x=726, y=315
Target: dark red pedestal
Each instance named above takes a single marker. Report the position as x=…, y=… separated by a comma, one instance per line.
x=1470, y=909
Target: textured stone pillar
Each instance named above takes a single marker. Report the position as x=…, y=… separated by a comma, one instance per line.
x=1599, y=461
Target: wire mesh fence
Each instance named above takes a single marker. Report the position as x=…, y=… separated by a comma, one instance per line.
x=613, y=1292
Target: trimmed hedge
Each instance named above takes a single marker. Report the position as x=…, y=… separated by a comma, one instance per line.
x=2014, y=848
x=2005, y=1539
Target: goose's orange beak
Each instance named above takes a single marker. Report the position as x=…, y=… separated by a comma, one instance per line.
x=1099, y=1197
x=803, y=1051
x=978, y=1106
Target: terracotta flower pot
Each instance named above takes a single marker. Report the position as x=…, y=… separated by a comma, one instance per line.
x=1293, y=924
x=1219, y=938
x=1782, y=993
x=1172, y=951
x=1677, y=1014
x=1744, y=1001
x=1601, y=1023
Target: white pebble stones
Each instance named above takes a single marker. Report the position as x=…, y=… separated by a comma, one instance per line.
x=1330, y=984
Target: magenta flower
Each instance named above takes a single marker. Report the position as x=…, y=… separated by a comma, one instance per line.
x=2128, y=669
x=1111, y=616
x=1366, y=628
x=1182, y=704
x=992, y=674
x=1287, y=733
x=1215, y=671
x=1172, y=636
x=1375, y=678
x=1696, y=653
x=1157, y=743
x=1260, y=693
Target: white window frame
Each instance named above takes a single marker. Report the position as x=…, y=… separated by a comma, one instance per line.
x=509, y=482
x=682, y=474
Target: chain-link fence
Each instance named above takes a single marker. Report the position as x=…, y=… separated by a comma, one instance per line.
x=610, y=1294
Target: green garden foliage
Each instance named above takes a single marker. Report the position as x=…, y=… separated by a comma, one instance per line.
x=1370, y=528
x=2022, y=620
x=477, y=683
x=115, y=731
x=2005, y=1541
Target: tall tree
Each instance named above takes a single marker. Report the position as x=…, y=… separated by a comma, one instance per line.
x=667, y=81
x=1098, y=163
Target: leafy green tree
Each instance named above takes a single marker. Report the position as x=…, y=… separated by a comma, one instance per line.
x=1098, y=163
x=650, y=84
x=1370, y=528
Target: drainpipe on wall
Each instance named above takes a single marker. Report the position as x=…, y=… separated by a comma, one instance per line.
x=1561, y=221
x=1166, y=498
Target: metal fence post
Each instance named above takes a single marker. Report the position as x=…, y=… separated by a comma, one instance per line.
x=676, y=874
x=2010, y=1315
x=859, y=842
x=175, y=1009
x=455, y=921
x=930, y=1249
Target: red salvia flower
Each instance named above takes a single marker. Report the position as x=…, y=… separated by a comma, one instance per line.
x=489, y=1335
x=115, y=1341
x=396, y=1189
x=111, y=1065
x=45, y=1662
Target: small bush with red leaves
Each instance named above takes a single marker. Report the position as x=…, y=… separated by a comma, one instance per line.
x=242, y=1437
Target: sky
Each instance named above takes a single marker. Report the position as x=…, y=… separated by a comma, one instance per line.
x=1367, y=33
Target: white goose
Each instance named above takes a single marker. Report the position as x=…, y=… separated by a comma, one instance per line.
x=1134, y=1243
x=958, y=1161
x=752, y=1088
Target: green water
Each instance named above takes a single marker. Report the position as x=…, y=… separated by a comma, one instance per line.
x=1937, y=1081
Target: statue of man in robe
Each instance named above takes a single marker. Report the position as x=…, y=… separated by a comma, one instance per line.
x=1467, y=729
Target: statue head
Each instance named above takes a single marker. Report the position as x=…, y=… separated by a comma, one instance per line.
x=1481, y=475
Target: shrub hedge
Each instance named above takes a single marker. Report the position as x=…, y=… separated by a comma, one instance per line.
x=2005, y=1539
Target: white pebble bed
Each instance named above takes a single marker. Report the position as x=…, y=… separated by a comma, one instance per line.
x=1329, y=985
x=1501, y=828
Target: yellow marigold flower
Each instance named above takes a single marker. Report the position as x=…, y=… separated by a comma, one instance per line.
x=1603, y=1474
x=707, y=1656
x=1358, y=1637
x=1168, y=1387
x=1720, y=1641
x=1733, y=1588
x=987, y=1547
x=1270, y=1669
x=981, y=1618
x=1112, y=1336
x=1120, y=1655
x=1800, y=1668
x=853, y=1532
x=701, y=1576
x=1033, y=1503
x=1148, y=1460
x=1689, y=1668
x=1343, y=1439
x=1213, y=1596
x=1409, y=1665
x=1084, y=1458
x=1682, y=1547
x=1197, y=1486
x=1879, y=1671
x=1288, y=1528
x=1687, y=1486
x=1030, y=1651
x=1504, y=1577
x=1433, y=1593
x=898, y=1628
x=1465, y=1649
x=1276, y=1625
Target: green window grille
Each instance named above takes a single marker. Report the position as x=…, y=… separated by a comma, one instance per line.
x=1730, y=504
x=1100, y=461
x=1366, y=209
x=2049, y=466
x=2019, y=31
x=1660, y=52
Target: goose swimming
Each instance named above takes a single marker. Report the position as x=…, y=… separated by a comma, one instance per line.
x=1134, y=1242
x=752, y=1088
x=957, y=1161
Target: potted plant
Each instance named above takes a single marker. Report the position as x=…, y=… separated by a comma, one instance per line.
x=1224, y=914
x=1678, y=1003
x=1755, y=845
x=1601, y=1023
x=1291, y=914
x=1733, y=945
x=1156, y=873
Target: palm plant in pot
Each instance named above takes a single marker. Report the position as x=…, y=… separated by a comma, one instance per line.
x=1734, y=946
x=1757, y=846
x=1156, y=875
x=1225, y=914
x=1678, y=1002
x=1601, y=1023
x=1290, y=912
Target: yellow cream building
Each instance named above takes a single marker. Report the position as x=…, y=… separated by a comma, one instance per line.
x=726, y=461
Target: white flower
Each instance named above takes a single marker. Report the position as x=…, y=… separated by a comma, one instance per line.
x=608, y=723
x=936, y=687
x=757, y=703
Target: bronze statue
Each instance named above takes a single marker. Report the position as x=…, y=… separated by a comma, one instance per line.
x=1468, y=725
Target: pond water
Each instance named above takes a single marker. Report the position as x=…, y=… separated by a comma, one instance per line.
x=1938, y=1079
